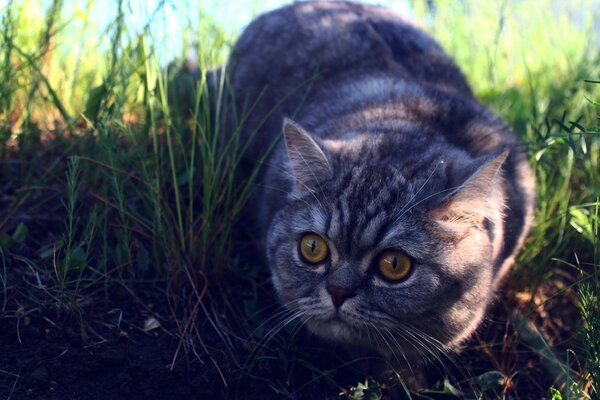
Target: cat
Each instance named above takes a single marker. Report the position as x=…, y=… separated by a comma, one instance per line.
x=393, y=203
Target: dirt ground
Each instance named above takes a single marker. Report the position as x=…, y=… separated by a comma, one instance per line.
x=40, y=362
x=119, y=360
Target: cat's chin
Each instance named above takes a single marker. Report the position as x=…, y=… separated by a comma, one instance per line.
x=357, y=344
x=334, y=329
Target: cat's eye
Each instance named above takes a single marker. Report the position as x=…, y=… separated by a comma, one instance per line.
x=394, y=265
x=313, y=248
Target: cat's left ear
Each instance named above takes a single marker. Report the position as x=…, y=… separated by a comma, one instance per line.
x=480, y=197
x=308, y=162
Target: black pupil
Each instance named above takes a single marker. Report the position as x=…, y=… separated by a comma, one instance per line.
x=394, y=262
x=313, y=245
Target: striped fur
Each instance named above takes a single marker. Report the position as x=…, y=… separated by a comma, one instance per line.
x=388, y=150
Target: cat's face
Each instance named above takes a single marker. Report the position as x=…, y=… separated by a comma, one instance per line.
x=366, y=256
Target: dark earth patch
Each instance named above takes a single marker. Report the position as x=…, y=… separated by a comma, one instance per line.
x=41, y=360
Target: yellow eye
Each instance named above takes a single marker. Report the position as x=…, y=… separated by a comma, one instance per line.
x=313, y=248
x=394, y=265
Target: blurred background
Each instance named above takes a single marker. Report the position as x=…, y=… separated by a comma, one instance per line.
x=508, y=41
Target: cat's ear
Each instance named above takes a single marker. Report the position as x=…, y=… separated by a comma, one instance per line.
x=308, y=162
x=478, y=198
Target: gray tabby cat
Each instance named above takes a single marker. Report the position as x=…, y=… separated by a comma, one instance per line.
x=396, y=202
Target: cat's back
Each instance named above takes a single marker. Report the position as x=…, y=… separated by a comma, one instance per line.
x=336, y=41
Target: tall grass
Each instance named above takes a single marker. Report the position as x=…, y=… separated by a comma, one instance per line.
x=589, y=307
x=148, y=193
x=119, y=172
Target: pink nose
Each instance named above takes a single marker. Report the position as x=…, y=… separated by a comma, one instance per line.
x=338, y=295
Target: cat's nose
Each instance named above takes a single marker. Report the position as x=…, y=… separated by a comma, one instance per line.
x=339, y=295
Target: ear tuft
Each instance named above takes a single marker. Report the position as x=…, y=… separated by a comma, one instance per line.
x=308, y=163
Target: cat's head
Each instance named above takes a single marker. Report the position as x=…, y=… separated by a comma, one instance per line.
x=384, y=247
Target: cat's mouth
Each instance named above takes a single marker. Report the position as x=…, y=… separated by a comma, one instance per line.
x=334, y=327
x=337, y=318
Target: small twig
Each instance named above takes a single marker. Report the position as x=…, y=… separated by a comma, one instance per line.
x=18, y=331
x=8, y=373
x=187, y=325
x=17, y=376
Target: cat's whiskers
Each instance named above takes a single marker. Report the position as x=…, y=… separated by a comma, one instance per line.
x=436, y=344
x=382, y=319
x=270, y=335
x=402, y=213
x=303, y=320
x=429, y=349
x=395, y=354
x=285, y=316
x=370, y=326
x=379, y=338
x=396, y=349
x=439, y=350
x=399, y=347
x=447, y=352
x=423, y=343
x=278, y=309
x=291, y=308
x=275, y=316
x=414, y=196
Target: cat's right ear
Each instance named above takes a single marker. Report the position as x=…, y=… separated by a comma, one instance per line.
x=479, y=198
x=308, y=163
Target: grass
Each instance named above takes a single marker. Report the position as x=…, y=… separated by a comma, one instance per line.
x=116, y=178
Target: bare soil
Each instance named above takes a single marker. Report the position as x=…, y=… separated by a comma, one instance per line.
x=45, y=357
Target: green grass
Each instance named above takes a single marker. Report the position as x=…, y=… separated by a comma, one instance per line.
x=109, y=185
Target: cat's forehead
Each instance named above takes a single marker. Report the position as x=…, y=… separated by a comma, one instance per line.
x=369, y=205
x=359, y=178
x=365, y=207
